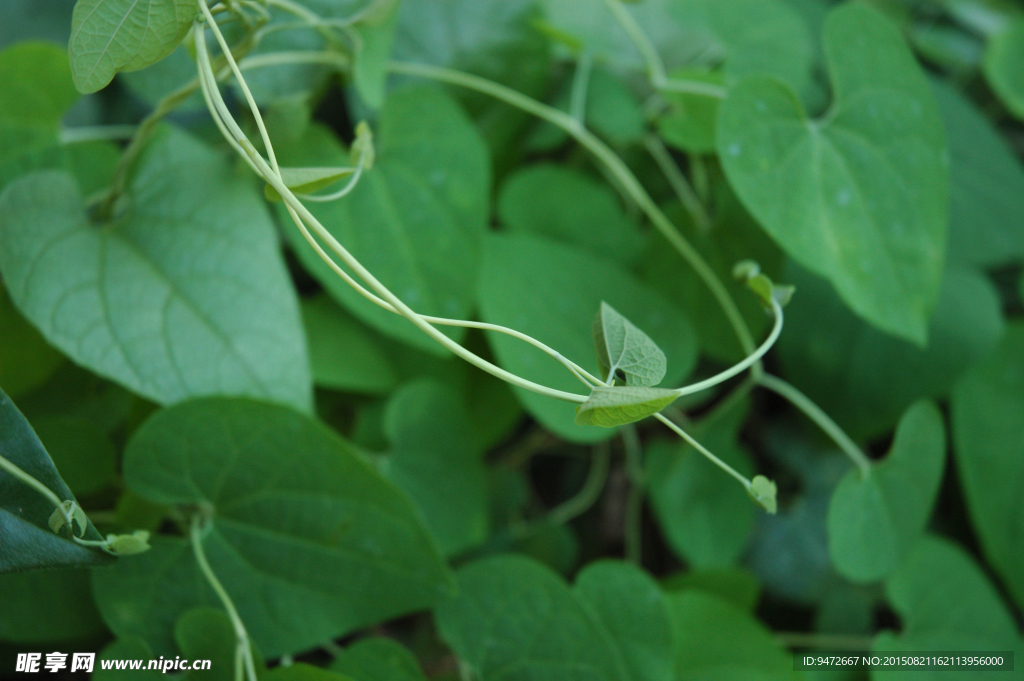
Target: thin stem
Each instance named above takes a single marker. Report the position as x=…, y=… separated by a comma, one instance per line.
x=14, y=470
x=824, y=421
x=259, y=61
x=678, y=182
x=637, y=491
x=301, y=215
x=700, y=448
x=617, y=167
x=244, y=649
x=752, y=359
x=591, y=490
x=580, y=82
x=655, y=67
x=93, y=133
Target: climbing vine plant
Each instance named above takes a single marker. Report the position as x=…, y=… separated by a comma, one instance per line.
x=407, y=339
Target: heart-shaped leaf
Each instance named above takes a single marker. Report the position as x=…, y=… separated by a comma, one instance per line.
x=295, y=509
x=621, y=347
x=610, y=407
x=183, y=293
x=988, y=430
x=873, y=521
x=945, y=602
x=860, y=196
x=29, y=542
x=513, y=614
x=108, y=36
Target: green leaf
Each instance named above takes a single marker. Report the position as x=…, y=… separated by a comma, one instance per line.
x=988, y=431
x=764, y=491
x=861, y=196
x=873, y=522
x=621, y=347
x=303, y=672
x=733, y=585
x=986, y=225
x=1003, y=57
x=716, y=640
x=688, y=123
x=344, y=354
x=866, y=379
x=108, y=36
x=123, y=650
x=433, y=459
x=378, y=36
x=515, y=619
x=378, y=659
x=415, y=221
x=631, y=607
x=207, y=634
x=24, y=512
x=744, y=36
x=945, y=603
x=27, y=360
x=183, y=293
x=81, y=451
x=704, y=515
x=567, y=206
x=48, y=605
x=307, y=180
x=550, y=292
x=295, y=507
x=616, y=406
x=496, y=39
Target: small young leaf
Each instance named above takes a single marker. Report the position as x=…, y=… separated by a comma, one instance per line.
x=874, y=521
x=1003, y=57
x=27, y=541
x=78, y=517
x=610, y=407
x=108, y=36
x=860, y=196
x=623, y=347
x=762, y=490
x=306, y=180
x=128, y=544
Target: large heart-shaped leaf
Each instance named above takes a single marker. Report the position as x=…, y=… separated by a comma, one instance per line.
x=945, y=603
x=25, y=536
x=988, y=430
x=860, y=196
x=515, y=619
x=415, y=220
x=874, y=520
x=551, y=291
x=307, y=538
x=183, y=293
x=432, y=458
x=108, y=36
x=631, y=607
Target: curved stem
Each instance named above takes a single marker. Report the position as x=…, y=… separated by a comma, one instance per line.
x=637, y=491
x=301, y=215
x=244, y=650
x=614, y=164
x=815, y=413
x=678, y=181
x=591, y=490
x=29, y=480
x=700, y=448
x=94, y=133
x=750, y=360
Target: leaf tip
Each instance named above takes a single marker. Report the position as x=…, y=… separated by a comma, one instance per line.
x=763, y=491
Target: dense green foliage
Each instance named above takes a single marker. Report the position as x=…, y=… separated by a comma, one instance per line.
x=222, y=438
